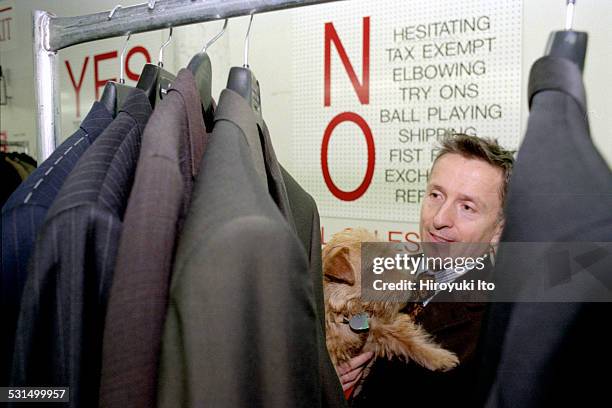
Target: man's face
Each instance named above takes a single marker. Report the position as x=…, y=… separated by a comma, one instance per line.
x=462, y=202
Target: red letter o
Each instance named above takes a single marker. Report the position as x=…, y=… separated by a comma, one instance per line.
x=363, y=187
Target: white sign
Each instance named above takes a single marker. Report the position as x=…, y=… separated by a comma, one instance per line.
x=377, y=84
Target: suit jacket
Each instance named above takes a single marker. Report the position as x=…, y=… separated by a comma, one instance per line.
x=172, y=148
x=21, y=170
x=28, y=167
x=454, y=321
x=544, y=354
x=10, y=179
x=306, y=216
x=23, y=216
x=241, y=325
x=28, y=159
x=300, y=211
x=65, y=296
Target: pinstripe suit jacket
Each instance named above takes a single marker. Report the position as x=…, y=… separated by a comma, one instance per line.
x=172, y=148
x=24, y=213
x=10, y=179
x=59, y=331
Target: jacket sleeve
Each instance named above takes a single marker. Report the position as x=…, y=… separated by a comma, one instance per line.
x=64, y=302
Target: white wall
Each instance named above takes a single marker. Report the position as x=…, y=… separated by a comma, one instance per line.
x=270, y=59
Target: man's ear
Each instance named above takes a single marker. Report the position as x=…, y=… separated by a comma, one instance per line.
x=337, y=267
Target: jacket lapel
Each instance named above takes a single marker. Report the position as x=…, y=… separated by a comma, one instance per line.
x=236, y=110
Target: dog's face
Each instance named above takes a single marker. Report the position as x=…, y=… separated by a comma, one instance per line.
x=342, y=289
x=354, y=326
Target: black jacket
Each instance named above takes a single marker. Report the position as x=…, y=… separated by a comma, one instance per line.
x=549, y=354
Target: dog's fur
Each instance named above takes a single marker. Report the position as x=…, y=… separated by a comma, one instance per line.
x=391, y=333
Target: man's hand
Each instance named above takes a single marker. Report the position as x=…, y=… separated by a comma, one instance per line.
x=352, y=371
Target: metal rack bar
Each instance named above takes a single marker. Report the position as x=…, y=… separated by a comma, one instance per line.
x=52, y=33
x=46, y=88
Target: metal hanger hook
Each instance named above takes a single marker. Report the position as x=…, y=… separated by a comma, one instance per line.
x=112, y=12
x=160, y=61
x=122, y=61
x=246, y=43
x=569, y=14
x=216, y=37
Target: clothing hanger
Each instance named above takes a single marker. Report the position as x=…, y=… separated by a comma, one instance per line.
x=154, y=79
x=115, y=93
x=242, y=81
x=568, y=44
x=201, y=68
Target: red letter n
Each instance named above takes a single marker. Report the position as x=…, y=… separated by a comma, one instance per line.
x=363, y=88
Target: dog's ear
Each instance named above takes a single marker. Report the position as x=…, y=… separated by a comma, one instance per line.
x=337, y=266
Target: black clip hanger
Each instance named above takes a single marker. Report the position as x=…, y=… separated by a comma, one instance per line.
x=154, y=79
x=242, y=81
x=568, y=44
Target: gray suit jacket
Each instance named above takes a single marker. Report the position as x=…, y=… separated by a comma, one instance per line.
x=242, y=324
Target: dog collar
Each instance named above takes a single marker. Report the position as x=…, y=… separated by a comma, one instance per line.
x=359, y=322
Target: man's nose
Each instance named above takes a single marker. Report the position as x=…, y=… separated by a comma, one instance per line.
x=444, y=216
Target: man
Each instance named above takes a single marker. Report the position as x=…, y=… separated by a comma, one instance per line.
x=463, y=203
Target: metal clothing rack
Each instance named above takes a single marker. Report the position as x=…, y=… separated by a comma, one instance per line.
x=52, y=33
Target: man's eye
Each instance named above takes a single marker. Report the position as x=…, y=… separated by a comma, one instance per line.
x=468, y=208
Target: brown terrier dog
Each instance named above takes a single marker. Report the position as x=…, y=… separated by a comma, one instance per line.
x=378, y=327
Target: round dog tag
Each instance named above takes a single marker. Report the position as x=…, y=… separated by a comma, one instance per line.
x=359, y=322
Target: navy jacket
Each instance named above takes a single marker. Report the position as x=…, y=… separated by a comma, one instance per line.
x=24, y=213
